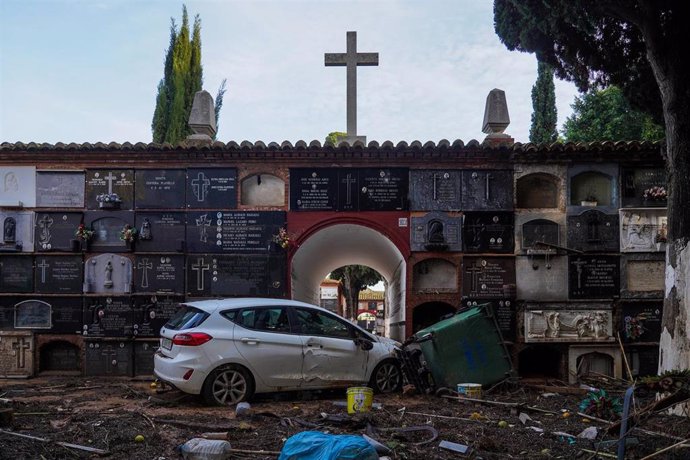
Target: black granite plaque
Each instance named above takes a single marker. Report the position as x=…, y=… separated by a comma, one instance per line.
x=33, y=314
x=488, y=277
x=108, y=358
x=233, y=231
x=436, y=232
x=635, y=182
x=161, y=231
x=107, y=230
x=152, y=312
x=16, y=273
x=144, y=350
x=593, y=277
x=55, y=231
x=316, y=189
x=60, y=189
x=59, y=274
x=212, y=188
x=159, y=273
x=488, y=232
x=436, y=190
x=107, y=317
x=641, y=322
x=248, y=275
x=504, y=312
x=384, y=189
x=199, y=275
x=644, y=360
x=6, y=313
x=593, y=231
x=160, y=188
x=67, y=314
x=484, y=189
x=539, y=231
x=110, y=189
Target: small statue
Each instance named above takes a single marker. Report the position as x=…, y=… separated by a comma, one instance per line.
x=435, y=239
x=108, y=275
x=145, y=231
x=9, y=234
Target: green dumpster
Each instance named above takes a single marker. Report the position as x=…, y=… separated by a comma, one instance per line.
x=466, y=348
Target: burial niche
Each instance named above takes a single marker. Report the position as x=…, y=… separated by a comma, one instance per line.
x=429, y=313
x=540, y=361
x=595, y=364
x=591, y=188
x=436, y=275
x=537, y=191
x=263, y=190
x=59, y=356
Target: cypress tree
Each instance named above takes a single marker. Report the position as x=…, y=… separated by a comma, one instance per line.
x=544, y=114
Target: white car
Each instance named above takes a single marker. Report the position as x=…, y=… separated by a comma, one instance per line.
x=228, y=349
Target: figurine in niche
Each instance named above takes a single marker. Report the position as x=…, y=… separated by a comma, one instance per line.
x=108, y=275
x=145, y=231
x=553, y=324
x=9, y=231
x=637, y=233
x=435, y=238
x=11, y=182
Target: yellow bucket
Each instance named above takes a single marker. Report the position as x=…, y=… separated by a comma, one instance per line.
x=470, y=390
x=359, y=399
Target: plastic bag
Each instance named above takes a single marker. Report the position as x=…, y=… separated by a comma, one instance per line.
x=314, y=445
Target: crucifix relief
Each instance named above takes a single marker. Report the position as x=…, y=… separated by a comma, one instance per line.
x=145, y=265
x=20, y=347
x=200, y=267
x=579, y=263
x=43, y=265
x=349, y=180
x=475, y=271
x=200, y=186
x=110, y=178
x=351, y=59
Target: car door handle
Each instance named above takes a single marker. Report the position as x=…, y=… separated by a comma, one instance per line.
x=314, y=345
x=250, y=340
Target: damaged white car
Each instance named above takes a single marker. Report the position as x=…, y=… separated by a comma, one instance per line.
x=229, y=349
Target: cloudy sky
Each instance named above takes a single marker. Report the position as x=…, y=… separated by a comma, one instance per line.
x=87, y=70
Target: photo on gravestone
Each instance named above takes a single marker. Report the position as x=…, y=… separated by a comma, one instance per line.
x=484, y=190
x=109, y=189
x=488, y=232
x=645, y=187
x=593, y=231
x=160, y=188
x=233, y=231
x=593, y=277
x=107, y=317
x=540, y=235
x=16, y=273
x=151, y=312
x=32, y=314
x=316, y=189
x=488, y=278
x=16, y=231
x=59, y=274
x=436, y=231
x=503, y=310
x=435, y=190
x=108, y=358
x=249, y=275
x=159, y=273
x=108, y=230
x=55, y=231
x=60, y=189
x=211, y=188
x=198, y=274
x=381, y=189
x=108, y=274
x=18, y=186
x=641, y=322
x=161, y=231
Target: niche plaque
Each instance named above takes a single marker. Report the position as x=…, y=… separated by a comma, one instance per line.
x=212, y=188
x=60, y=189
x=593, y=277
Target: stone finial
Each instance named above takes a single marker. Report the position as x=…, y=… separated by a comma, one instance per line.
x=496, y=118
x=202, y=119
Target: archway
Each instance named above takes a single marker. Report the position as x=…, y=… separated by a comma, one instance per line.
x=429, y=313
x=339, y=244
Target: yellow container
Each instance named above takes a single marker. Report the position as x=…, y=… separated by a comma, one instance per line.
x=470, y=390
x=359, y=399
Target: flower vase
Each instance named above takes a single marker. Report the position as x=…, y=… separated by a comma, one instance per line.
x=85, y=245
x=588, y=203
x=109, y=205
x=75, y=245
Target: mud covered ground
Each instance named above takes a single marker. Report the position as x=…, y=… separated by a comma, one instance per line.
x=109, y=413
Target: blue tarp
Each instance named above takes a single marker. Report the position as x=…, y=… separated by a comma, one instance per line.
x=314, y=445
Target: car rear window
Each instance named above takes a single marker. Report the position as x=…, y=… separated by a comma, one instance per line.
x=186, y=318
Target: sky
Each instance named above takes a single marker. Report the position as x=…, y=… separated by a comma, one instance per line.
x=88, y=70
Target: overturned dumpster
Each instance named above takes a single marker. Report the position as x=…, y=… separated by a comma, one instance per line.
x=466, y=347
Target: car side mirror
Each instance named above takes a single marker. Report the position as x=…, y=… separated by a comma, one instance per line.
x=364, y=344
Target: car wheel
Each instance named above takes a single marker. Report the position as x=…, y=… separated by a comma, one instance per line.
x=228, y=385
x=387, y=377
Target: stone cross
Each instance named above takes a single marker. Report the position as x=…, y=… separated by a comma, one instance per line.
x=475, y=272
x=110, y=178
x=200, y=186
x=351, y=59
x=579, y=263
x=348, y=182
x=21, y=346
x=145, y=266
x=200, y=268
x=43, y=265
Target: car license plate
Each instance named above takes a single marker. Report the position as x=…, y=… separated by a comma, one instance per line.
x=166, y=343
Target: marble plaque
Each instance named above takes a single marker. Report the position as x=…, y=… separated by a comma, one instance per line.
x=645, y=276
x=541, y=277
x=593, y=231
x=637, y=181
x=16, y=354
x=487, y=189
x=55, y=231
x=436, y=190
x=232, y=231
x=16, y=273
x=488, y=277
x=161, y=231
x=33, y=314
x=212, y=188
x=316, y=189
x=488, y=232
x=107, y=317
x=108, y=274
x=641, y=322
x=643, y=230
x=163, y=273
x=436, y=231
x=160, y=188
x=16, y=231
x=67, y=314
x=568, y=325
x=504, y=312
x=108, y=358
x=59, y=274
x=435, y=275
x=60, y=189
x=18, y=186
x=107, y=228
x=236, y=275
x=593, y=277
x=152, y=312
x=382, y=189
x=110, y=189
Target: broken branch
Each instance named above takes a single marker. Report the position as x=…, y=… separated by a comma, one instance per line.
x=59, y=443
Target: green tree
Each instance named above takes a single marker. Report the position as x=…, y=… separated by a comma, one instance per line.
x=219, y=102
x=606, y=115
x=355, y=278
x=335, y=137
x=544, y=113
x=637, y=46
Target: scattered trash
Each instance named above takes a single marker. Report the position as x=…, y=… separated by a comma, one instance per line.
x=374, y=405
x=454, y=447
x=600, y=404
x=524, y=418
x=243, y=409
x=471, y=390
x=589, y=433
x=477, y=416
x=380, y=448
x=536, y=428
x=359, y=399
x=565, y=414
x=314, y=445
x=548, y=395
x=205, y=449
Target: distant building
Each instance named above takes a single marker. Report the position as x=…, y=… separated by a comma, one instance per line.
x=371, y=310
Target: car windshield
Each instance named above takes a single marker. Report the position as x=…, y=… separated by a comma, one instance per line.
x=186, y=318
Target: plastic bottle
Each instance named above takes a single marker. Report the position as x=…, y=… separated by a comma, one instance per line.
x=205, y=449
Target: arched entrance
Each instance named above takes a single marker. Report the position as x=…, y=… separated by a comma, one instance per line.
x=339, y=243
x=429, y=313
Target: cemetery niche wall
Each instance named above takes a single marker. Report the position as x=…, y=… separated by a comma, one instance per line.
x=565, y=243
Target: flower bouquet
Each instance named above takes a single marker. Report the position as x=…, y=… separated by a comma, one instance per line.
x=128, y=233
x=108, y=200
x=83, y=233
x=282, y=239
x=656, y=193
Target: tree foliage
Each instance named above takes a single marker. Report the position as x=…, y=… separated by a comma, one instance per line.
x=544, y=113
x=219, y=102
x=334, y=137
x=355, y=278
x=606, y=115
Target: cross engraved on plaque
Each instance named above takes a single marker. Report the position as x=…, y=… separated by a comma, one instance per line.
x=475, y=272
x=145, y=266
x=43, y=265
x=200, y=268
x=348, y=182
x=20, y=347
x=44, y=224
x=203, y=222
x=110, y=178
x=578, y=265
x=200, y=186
